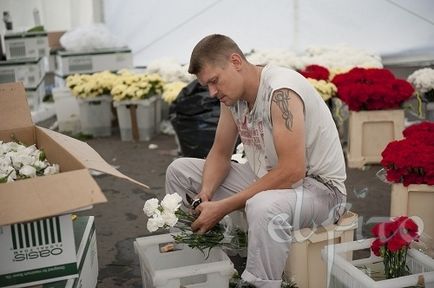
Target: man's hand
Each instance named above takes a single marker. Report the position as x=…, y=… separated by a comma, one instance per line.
x=210, y=213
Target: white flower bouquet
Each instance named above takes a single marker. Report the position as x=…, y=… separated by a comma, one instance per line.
x=280, y=57
x=132, y=86
x=423, y=82
x=169, y=214
x=340, y=58
x=170, y=70
x=20, y=162
x=91, y=85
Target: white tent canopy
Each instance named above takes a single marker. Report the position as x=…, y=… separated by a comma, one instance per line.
x=170, y=28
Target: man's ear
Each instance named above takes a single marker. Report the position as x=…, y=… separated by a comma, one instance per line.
x=236, y=60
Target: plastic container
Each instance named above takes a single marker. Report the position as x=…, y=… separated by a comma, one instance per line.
x=187, y=268
x=143, y=127
x=95, y=115
x=67, y=110
x=343, y=272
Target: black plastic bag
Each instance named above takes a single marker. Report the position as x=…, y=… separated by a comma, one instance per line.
x=194, y=116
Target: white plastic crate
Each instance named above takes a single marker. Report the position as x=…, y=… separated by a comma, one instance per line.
x=69, y=62
x=343, y=272
x=67, y=111
x=187, y=268
x=35, y=96
x=145, y=122
x=95, y=115
x=30, y=71
x=26, y=44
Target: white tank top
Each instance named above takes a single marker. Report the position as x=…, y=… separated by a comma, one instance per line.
x=324, y=155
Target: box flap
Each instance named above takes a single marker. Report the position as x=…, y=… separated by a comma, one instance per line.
x=14, y=109
x=48, y=196
x=87, y=155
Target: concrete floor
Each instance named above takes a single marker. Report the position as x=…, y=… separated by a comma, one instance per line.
x=121, y=220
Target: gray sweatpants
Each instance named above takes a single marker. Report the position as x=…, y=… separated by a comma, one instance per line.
x=272, y=215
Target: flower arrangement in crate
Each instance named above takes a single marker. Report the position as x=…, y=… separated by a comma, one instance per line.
x=393, y=239
x=131, y=86
x=171, y=213
x=20, y=162
x=410, y=161
x=371, y=89
x=91, y=85
x=423, y=81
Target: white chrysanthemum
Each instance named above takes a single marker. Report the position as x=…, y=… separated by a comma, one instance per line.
x=150, y=207
x=171, y=202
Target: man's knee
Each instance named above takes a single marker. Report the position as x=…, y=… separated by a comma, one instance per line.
x=263, y=207
x=175, y=168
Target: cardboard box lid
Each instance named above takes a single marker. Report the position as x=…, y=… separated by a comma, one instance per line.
x=87, y=155
x=46, y=196
x=14, y=109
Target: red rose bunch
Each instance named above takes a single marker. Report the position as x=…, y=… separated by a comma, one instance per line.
x=410, y=161
x=316, y=72
x=392, y=241
x=371, y=89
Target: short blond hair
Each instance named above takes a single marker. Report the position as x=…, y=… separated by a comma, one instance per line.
x=213, y=49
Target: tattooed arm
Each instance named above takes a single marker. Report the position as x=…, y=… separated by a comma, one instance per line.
x=287, y=116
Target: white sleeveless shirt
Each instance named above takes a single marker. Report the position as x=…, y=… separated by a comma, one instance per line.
x=323, y=152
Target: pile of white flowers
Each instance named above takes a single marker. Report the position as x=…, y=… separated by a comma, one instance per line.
x=340, y=58
x=279, y=57
x=162, y=215
x=422, y=80
x=20, y=162
x=170, y=70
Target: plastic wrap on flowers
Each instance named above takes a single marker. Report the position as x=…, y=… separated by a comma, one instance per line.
x=194, y=116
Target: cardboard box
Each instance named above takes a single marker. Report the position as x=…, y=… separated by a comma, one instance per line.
x=27, y=44
x=87, y=256
x=68, y=62
x=30, y=71
x=304, y=265
x=35, y=252
x=414, y=200
x=54, y=39
x=369, y=134
x=46, y=196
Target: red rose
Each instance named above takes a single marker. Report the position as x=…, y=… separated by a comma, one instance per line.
x=376, y=247
x=316, y=72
